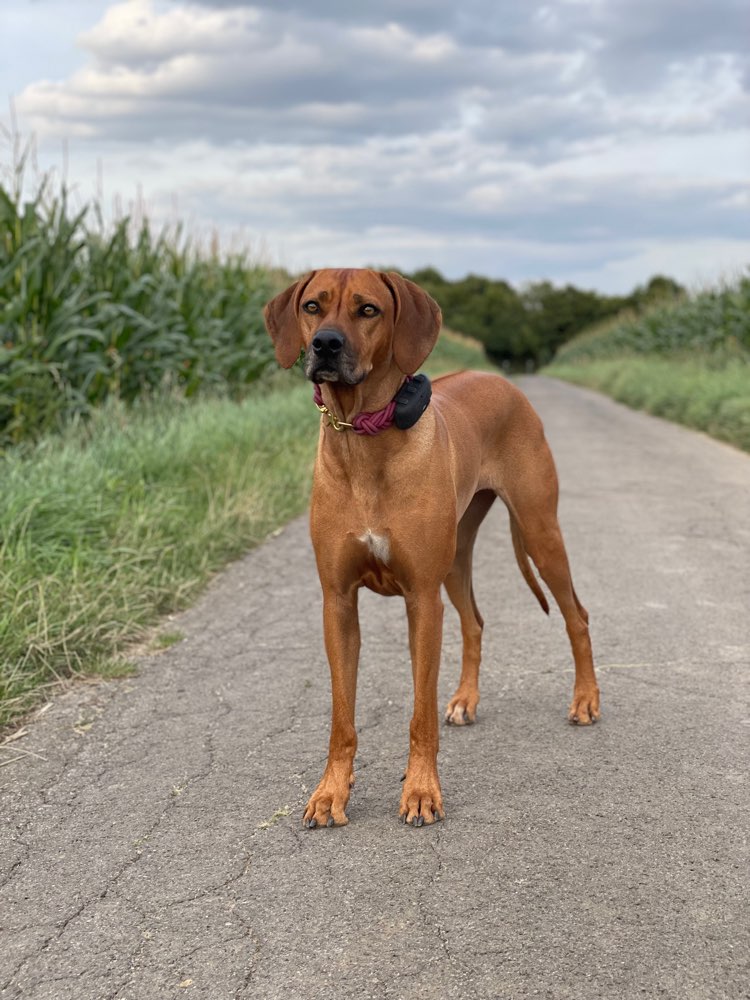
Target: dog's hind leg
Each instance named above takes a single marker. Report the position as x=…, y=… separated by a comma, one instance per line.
x=548, y=552
x=462, y=707
x=532, y=500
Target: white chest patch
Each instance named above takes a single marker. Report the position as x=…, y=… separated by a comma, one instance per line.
x=378, y=546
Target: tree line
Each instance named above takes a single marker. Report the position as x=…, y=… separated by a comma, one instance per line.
x=522, y=328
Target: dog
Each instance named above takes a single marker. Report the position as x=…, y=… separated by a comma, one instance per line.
x=396, y=507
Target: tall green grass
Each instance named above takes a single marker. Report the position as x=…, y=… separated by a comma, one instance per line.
x=713, y=324
x=89, y=313
x=112, y=524
x=688, y=361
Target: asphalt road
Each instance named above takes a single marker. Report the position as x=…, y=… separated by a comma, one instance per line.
x=152, y=844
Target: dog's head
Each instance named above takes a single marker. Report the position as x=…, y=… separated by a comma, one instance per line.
x=351, y=321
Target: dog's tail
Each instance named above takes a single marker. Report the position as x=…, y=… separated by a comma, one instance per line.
x=523, y=563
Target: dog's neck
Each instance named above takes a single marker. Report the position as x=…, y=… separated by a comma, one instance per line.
x=374, y=393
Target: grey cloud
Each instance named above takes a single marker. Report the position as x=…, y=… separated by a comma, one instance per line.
x=322, y=116
x=674, y=28
x=514, y=27
x=322, y=83
x=624, y=28
x=242, y=122
x=574, y=210
x=535, y=77
x=641, y=40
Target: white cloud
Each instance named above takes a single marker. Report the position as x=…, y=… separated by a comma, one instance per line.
x=136, y=32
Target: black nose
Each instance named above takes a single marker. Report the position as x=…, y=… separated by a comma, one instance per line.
x=328, y=342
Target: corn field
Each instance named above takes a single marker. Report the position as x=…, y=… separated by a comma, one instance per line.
x=88, y=313
x=713, y=325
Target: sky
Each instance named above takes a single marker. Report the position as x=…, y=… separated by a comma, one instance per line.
x=595, y=142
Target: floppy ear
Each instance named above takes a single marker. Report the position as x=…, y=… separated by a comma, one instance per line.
x=282, y=324
x=416, y=322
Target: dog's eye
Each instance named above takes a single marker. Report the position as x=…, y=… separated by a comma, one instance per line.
x=369, y=310
x=311, y=307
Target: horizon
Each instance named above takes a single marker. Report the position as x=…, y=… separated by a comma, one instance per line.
x=226, y=244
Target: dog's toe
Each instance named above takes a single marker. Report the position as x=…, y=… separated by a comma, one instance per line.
x=584, y=709
x=462, y=710
x=421, y=801
x=327, y=807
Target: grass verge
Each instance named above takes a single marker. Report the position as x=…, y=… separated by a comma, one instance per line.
x=109, y=527
x=694, y=391
x=121, y=520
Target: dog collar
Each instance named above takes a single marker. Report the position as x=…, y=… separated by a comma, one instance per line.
x=404, y=410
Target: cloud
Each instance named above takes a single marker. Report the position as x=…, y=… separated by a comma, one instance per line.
x=607, y=123
x=246, y=73
x=243, y=65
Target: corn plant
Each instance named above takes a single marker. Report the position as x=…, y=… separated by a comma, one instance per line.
x=88, y=313
x=713, y=325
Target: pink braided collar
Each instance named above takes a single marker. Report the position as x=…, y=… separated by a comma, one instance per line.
x=363, y=423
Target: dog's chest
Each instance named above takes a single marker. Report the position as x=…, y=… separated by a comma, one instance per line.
x=370, y=555
x=377, y=545
x=376, y=570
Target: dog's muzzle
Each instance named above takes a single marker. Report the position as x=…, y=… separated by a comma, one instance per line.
x=328, y=359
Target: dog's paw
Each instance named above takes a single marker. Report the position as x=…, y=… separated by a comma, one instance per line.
x=421, y=799
x=327, y=805
x=584, y=709
x=462, y=708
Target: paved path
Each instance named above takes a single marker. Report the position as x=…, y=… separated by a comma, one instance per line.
x=154, y=849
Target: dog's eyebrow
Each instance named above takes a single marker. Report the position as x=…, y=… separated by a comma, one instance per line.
x=359, y=299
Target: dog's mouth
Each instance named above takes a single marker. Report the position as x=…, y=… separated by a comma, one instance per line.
x=324, y=375
x=345, y=373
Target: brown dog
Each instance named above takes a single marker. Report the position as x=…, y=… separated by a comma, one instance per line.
x=399, y=511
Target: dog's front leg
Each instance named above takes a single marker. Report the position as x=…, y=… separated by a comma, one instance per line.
x=328, y=802
x=421, y=798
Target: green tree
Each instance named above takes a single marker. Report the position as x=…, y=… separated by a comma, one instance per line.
x=523, y=329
